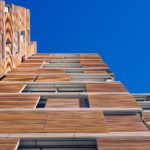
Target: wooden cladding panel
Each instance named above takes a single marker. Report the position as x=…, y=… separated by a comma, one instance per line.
x=105, y=87
x=2, y=68
x=112, y=101
x=8, y=50
x=52, y=78
x=9, y=28
x=33, y=48
x=23, y=18
x=62, y=103
x=27, y=19
x=75, y=122
x=82, y=61
x=28, y=66
x=17, y=59
x=9, y=143
x=93, y=65
x=10, y=88
x=52, y=122
x=16, y=17
x=9, y=64
x=15, y=42
x=42, y=71
x=1, y=22
x=124, y=143
x=18, y=101
x=27, y=78
x=34, y=61
x=146, y=116
x=2, y=5
x=22, y=71
x=1, y=47
x=125, y=123
x=89, y=56
x=95, y=71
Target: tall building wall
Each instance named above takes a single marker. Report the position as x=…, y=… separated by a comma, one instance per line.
x=63, y=101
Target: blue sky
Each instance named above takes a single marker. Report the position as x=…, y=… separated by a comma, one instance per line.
x=117, y=29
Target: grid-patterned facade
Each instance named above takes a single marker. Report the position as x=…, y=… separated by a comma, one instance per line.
x=63, y=101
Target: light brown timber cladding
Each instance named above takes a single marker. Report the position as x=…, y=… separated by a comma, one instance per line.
x=62, y=103
x=89, y=56
x=28, y=44
x=124, y=143
x=52, y=122
x=9, y=64
x=53, y=78
x=28, y=66
x=9, y=29
x=9, y=143
x=27, y=19
x=10, y=87
x=18, y=101
x=2, y=68
x=17, y=59
x=105, y=87
x=146, y=116
x=23, y=18
x=27, y=78
x=33, y=48
x=1, y=46
x=2, y=15
x=15, y=42
x=125, y=123
x=112, y=100
x=8, y=49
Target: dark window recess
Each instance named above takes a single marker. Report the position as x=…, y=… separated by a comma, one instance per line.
x=42, y=102
x=57, y=144
x=84, y=103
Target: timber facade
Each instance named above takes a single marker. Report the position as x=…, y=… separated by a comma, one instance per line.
x=63, y=101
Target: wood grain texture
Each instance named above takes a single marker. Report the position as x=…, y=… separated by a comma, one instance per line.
x=8, y=26
x=23, y=18
x=10, y=88
x=27, y=19
x=94, y=71
x=62, y=103
x=1, y=47
x=89, y=56
x=2, y=68
x=8, y=49
x=34, y=61
x=9, y=143
x=9, y=64
x=2, y=18
x=33, y=48
x=112, y=101
x=125, y=123
x=105, y=87
x=17, y=59
x=123, y=143
x=29, y=66
x=22, y=71
x=26, y=78
x=52, y=122
x=91, y=61
x=146, y=116
x=52, y=78
x=43, y=71
x=18, y=101
x=85, y=65
x=16, y=42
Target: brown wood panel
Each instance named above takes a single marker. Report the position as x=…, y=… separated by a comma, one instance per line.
x=112, y=101
x=22, y=71
x=52, y=122
x=9, y=64
x=8, y=26
x=18, y=101
x=91, y=61
x=2, y=18
x=93, y=65
x=8, y=50
x=28, y=66
x=33, y=47
x=95, y=71
x=17, y=59
x=27, y=78
x=42, y=71
x=16, y=18
x=2, y=5
x=10, y=88
x=62, y=103
x=34, y=61
x=125, y=123
x=1, y=47
x=52, y=78
x=146, y=116
x=9, y=143
x=105, y=87
x=15, y=42
x=23, y=18
x=2, y=69
x=27, y=19
x=124, y=143
x=89, y=56
x=75, y=122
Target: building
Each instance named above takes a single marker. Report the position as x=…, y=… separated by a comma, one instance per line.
x=63, y=101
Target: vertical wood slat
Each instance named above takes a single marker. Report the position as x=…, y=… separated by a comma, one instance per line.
x=9, y=28
x=28, y=19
